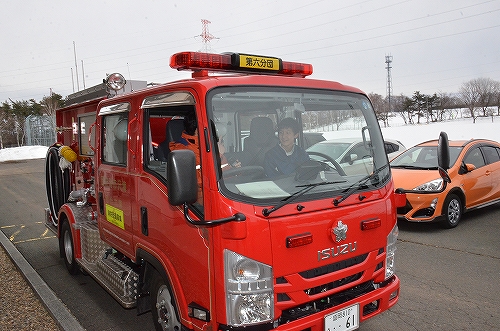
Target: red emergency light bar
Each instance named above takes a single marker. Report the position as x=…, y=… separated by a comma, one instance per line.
x=236, y=62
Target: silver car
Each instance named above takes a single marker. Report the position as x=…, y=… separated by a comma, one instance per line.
x=352, y=154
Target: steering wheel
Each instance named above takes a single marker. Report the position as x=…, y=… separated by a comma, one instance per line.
x=250, y=171
x=329, y=159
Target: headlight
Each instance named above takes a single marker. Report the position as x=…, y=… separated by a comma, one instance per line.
x=249, y=290
x=391, y=252
x=433, y=185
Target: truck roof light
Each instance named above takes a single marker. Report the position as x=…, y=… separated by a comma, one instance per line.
x=115, y=81
x=235, y=62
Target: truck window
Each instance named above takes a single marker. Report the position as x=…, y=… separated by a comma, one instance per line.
x=245, y=119
x=114, y=140
x=164, y=124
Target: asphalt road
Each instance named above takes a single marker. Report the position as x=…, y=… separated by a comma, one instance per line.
x=449, y=278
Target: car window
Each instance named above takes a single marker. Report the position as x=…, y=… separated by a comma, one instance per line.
x=391, y=147
x=491, y=154
x=359, y=151
x=475, y=157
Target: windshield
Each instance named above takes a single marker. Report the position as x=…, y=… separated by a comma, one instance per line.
x=423, y=157
x=272, y=142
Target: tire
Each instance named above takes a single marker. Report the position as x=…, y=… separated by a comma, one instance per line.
x=67, y=249
x=163, y=307
x=452, y=211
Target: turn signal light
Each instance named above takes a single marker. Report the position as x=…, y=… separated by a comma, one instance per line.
x=299, y=240
x=371, y=224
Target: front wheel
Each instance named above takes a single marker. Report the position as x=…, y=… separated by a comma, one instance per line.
x=452, y=211
x=68, y=248
x=163, y=306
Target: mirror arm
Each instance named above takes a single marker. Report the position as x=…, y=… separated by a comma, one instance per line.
x=238, y=217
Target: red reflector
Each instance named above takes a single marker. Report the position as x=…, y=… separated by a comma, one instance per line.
x=299, y=240
x=371, y=224
x=400, y=199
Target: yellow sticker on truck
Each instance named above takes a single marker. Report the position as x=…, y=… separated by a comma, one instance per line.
x=115, y=216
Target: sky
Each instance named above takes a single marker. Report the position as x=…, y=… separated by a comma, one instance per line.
x=63, y=46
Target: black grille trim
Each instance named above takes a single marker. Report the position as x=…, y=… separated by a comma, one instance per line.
x=324, y=303
x=333, y=267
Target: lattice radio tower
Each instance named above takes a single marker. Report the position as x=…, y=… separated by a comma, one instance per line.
x=206, y=36
x=388, y=61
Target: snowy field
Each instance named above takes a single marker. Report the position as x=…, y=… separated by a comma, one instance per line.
x=409, y=135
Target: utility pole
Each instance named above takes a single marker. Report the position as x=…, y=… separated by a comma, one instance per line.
x=206, y=36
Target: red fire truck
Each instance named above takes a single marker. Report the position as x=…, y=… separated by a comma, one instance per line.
x=203, y=237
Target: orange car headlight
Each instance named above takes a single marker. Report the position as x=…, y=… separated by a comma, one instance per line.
x=433, y=185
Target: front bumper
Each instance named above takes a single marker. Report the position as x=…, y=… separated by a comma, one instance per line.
x=370, y=305
x=421, y=208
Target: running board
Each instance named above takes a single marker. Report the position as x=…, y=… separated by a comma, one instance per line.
x=112, y=274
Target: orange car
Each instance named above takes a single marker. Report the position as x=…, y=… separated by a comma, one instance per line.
x=475, y=180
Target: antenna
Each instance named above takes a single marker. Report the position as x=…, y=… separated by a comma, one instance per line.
x=206, y=36
x=83, y=76
x=76, y=67
x=72, y=80
x=388, y=61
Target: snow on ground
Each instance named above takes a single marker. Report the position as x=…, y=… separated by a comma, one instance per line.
x=461, y=129
x=409, y=135
x=23, y=153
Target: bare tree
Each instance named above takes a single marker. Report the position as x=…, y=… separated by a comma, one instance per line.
x=397, y=102
x=486, y=90
x=469, y=94
x=50, y=104
x=380, y=107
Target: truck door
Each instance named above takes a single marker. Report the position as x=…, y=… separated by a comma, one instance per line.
x=113, y=182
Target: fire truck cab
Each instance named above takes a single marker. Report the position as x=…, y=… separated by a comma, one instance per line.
x=205, y=236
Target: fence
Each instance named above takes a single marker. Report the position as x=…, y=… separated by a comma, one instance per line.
x=40, y=130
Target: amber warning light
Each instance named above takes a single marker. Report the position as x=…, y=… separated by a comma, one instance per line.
x=235, y=62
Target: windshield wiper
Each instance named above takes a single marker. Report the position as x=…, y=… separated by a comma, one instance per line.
x=408, y=166
x=354, y=187
x=305, y=188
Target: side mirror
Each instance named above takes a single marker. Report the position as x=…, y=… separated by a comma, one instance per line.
x=470, y=167
x=443, y=151
x=466, y=168
x=352, y=158
x=443, y=155
x=182, y=181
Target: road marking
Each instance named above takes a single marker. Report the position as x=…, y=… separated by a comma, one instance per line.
x=12, y=237
x=33, y=239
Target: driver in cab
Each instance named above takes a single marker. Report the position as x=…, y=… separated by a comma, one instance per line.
x=285, y=157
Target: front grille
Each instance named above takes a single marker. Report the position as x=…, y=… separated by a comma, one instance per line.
x=330, y=286
x=314, y=290
x=315, y=306
x=333, y=267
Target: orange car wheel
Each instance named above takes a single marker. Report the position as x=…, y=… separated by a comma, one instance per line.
x=452, y=211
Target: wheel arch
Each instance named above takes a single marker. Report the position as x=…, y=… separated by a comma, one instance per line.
x=460, y=194
x=66, y=214
x=151, y=263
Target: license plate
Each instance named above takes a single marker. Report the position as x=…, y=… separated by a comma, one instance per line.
x=343, y=320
